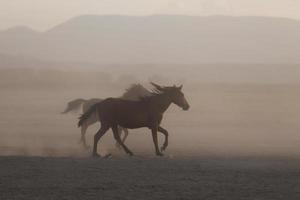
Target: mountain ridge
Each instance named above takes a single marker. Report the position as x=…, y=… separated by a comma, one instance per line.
x=162, y=39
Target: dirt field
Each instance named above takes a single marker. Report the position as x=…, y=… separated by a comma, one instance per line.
x=149, y=178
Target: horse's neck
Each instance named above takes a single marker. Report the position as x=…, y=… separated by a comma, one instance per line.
x=161, y=102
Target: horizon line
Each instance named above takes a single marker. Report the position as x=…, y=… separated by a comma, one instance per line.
x=151, y=15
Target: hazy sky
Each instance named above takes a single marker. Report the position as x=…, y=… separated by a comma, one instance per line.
x=43, y=14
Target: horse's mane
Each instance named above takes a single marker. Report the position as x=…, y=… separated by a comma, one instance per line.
x=135, y=92
x=159, y=91
x=154, y=93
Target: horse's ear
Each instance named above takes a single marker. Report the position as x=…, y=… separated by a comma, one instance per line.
x=180, y=87
x=157, y=86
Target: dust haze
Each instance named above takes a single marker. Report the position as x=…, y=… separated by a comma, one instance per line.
x=229, y=117
x=240, y=75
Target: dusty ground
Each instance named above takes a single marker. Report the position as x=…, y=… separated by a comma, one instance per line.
x=238, y=141
x=148, y=178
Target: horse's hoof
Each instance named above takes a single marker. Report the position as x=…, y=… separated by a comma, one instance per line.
x=130, y=153
x=159, y=154
x=163, y=148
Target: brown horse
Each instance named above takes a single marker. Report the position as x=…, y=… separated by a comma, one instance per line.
x=147, y=112
x=134, y=92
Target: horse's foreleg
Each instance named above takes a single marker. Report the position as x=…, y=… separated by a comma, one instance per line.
x=154, y=136
x=118, y=139
x=165, y=132
x=97, y=137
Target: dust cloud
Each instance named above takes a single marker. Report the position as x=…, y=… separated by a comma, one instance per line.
x=225, y=119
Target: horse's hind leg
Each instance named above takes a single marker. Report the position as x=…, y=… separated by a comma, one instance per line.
x=165, y=132
x=125, y=134
x=83, y=131
x=120, y=129
x=97, y=137
x=120, y=133
x=117, y=137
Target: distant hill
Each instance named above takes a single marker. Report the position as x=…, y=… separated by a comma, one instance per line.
x=170, y=39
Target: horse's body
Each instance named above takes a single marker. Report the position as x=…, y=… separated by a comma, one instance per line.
x=132, y=93
x=147, y=112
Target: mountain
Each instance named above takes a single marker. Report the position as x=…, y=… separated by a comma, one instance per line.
x=170, y=39
x=19, y=30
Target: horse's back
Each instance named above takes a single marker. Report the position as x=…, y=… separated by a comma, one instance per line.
x=89, y=103
x=126, y=113
x=116, y=104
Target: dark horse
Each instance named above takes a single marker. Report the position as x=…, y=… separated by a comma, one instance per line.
x=134, y=92
x=146, y=112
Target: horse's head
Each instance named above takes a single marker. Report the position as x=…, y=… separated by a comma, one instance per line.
x=176, y=95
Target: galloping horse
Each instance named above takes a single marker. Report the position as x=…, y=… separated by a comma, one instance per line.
x=134, y=92
x=146, y=112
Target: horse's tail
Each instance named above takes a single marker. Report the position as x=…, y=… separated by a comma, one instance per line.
x=87, y=114
x=73, y=105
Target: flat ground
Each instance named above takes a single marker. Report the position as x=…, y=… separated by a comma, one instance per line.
x=149, y=177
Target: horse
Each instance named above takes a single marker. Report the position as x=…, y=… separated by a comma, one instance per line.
x=146, y=112
x=134, y=92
